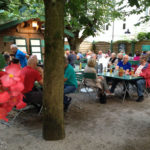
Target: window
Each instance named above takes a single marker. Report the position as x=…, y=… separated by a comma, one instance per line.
x=107, y=27
x=122, y=47
x=147, y=12
x=22, y=44
x=124, y=25
x=35, y=45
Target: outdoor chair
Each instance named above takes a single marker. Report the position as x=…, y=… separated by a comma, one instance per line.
x=79, y=77
x=17, y=113
x=37, y=87
x=147, y=91
x=83, y=60
x=134, y=63
x=84, y=65
x=89, y=88
x=77, y=62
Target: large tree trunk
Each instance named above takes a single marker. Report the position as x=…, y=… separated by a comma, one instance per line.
x=74, y=43
x=53, y=122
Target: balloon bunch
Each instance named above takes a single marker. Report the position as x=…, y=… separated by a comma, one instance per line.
x=11, y=87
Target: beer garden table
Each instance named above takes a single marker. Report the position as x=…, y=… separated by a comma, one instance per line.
x=125, y=79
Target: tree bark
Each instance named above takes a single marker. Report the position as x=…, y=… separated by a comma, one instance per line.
x=74, y=43
x=53, y=120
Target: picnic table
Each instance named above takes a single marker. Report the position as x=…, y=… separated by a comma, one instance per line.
x=125, y=79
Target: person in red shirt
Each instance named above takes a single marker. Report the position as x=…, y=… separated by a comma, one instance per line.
x=32, y=73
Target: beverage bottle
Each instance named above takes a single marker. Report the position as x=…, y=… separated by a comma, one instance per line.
x=122, y=71
x=110, y=70
x=80, y=66
x=132, y=72
x=105, y=70
x=119, y=72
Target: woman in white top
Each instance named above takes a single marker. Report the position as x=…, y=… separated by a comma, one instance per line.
x=143, y=64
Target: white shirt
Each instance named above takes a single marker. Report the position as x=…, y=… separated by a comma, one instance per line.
x=139, y=70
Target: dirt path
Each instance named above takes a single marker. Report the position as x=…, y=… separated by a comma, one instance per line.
x=89, y=126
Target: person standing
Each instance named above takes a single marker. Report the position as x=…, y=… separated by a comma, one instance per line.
x=19, y=54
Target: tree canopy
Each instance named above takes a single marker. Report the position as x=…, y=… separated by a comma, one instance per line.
x=88, y=16
x=140, y=6
x=21, y=9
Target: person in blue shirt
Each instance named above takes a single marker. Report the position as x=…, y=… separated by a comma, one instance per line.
x=126, y=67
x=80, y=55
x=124, y=64
x=19, y=55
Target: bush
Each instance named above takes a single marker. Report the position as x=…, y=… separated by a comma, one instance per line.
x=148, y=35
x=143, y=36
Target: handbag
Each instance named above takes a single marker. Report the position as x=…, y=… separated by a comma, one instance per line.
x=102, y=98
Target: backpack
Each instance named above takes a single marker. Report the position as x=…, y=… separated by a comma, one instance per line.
x=102, y=98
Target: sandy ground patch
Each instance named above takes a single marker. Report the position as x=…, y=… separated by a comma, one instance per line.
x=89, y=125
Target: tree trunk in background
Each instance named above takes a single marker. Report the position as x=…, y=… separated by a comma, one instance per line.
x=53, y=122
x=74, y=43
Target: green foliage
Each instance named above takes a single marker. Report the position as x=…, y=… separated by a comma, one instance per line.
x=133, y=3
x=89, y=16
x=94, y=46
x=142, y=6
x=143, y=36
x=22, y=9
x=4, y=4
x=2, y=62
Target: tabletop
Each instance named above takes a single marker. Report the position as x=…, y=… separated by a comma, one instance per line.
x=124, y=77
x=78, y=70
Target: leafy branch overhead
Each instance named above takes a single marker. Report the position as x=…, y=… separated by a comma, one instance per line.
x=89, y=16
x=22, y=9
x=140, y=6
x=86, y=16
x=81, y=16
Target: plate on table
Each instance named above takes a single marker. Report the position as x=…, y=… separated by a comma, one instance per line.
x=78, y=73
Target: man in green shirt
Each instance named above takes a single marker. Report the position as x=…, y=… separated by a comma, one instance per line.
x=70, y=83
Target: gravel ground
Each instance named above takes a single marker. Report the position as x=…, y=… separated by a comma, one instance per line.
x=89, y=125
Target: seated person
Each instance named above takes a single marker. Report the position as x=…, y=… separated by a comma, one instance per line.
x=100, y=82
x=119, y=58
x=70, y=83
x=112, y=60
x=7, y=58
x=141, y=71
x=130, y=56
x=126, y=67
x=72, y=58
x=137, y=56
x=148, y=55
x=124, y=64
x=32, y=73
